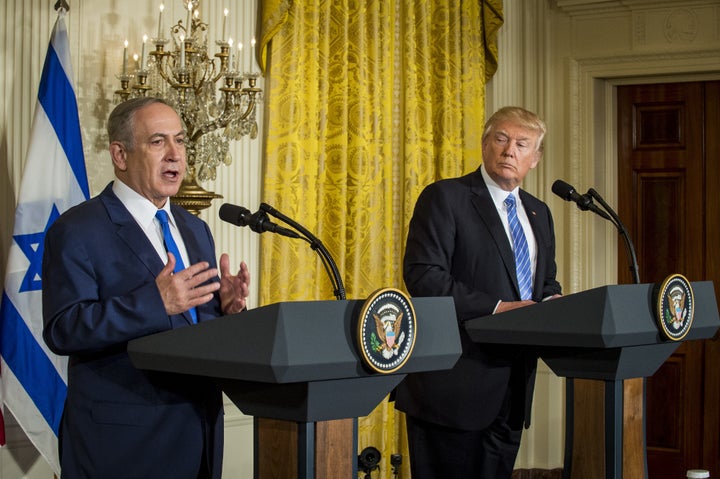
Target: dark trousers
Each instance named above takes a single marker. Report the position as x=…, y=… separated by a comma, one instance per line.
x=439, y=452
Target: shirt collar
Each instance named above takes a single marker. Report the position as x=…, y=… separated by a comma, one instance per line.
x=498, y=194
x=142, y=209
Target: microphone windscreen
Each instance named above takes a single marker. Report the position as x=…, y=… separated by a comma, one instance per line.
x=234, y=214
x=563, y=190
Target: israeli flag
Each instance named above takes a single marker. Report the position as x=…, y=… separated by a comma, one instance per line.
x=34, y=380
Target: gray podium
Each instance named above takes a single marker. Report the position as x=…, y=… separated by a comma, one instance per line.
x=607, y=333
x=298, y=362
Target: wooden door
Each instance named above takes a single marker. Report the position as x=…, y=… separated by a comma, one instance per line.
x=669, y=200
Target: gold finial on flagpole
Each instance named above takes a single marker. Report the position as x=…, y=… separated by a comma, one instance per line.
x=62, y=4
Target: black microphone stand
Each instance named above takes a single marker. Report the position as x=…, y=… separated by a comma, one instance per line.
x=613, y=390
x=623, y=232
x=317, y=246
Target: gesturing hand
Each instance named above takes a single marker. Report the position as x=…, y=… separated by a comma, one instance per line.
x=184, y=290
x=234, y=289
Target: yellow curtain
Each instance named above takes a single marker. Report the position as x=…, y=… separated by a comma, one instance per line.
x=366, y=103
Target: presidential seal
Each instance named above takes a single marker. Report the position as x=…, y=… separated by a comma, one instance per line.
x=386, y=330
x=675, y=307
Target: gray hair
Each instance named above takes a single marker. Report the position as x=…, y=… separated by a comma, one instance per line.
x=120, y=125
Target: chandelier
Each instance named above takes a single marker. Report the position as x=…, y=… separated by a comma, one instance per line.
x=215, y=96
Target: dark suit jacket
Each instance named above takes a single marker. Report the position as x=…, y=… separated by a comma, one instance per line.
x=99, y=292
x=457, y=247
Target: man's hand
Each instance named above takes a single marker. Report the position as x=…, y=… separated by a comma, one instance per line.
x=508, y=305
x=182, y=290
x=234, y=289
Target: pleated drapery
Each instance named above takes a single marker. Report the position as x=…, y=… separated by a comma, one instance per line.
x=366, y=103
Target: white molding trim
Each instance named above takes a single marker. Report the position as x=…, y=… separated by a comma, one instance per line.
x=593, y=136
x=604, y=7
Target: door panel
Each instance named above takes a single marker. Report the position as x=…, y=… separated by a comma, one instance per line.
x=669, y=197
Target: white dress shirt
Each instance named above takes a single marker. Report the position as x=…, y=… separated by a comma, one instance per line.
x=143, y=210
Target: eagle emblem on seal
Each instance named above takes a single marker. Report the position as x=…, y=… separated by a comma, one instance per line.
x=388, y=331
x=677, y=308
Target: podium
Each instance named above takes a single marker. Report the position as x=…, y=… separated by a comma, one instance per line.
x=607, y=333
x=296, y=368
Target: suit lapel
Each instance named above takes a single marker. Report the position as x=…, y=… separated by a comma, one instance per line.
x=188, y=235
x=485, y=207
x=130, y=232
x=542, y=238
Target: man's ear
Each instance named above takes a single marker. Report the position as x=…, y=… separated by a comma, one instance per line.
x=118, y=155
x=537, y=156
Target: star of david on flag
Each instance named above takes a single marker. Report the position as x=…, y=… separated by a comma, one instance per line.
x=34, y=380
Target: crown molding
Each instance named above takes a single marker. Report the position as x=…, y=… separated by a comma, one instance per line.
x=591, y=7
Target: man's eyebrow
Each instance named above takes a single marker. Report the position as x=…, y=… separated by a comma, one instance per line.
x=167, y=135
x=519, y=138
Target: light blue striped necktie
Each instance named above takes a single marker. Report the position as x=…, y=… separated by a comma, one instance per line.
x=172, y=247
x=522, y=255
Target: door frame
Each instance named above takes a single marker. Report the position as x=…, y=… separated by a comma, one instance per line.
x=593, y=145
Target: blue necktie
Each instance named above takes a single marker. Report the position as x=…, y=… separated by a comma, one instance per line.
x=172, y=247
x=522, y=256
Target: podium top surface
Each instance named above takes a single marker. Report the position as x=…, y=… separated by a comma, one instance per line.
x=294, y=342
x=614, y=316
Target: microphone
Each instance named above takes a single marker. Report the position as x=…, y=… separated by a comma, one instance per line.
x=258, y=222
x=568, y=193
x=237, y=215
x=584, y=202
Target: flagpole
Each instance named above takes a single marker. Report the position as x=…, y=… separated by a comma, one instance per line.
x=61, y=5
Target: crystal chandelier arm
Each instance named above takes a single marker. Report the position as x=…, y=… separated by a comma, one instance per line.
x=208, y=75
x=221, y=72
x=195, y=133
x=162, y=66
x=250, y=108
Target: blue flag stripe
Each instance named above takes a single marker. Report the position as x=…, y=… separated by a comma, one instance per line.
x=57, y=98
x=31, y=366
x=36, y=390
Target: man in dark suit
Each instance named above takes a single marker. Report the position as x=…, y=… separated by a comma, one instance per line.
x=467, y=422
x=107, y=279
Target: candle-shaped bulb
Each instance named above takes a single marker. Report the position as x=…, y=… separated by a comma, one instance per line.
x=230, y=57
x=125, y=58
x=239, y=56
x=182, y=51
x=222, y=38
x=143, y=64
x=252, y=53
x=160, y=23
x=188, y=28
